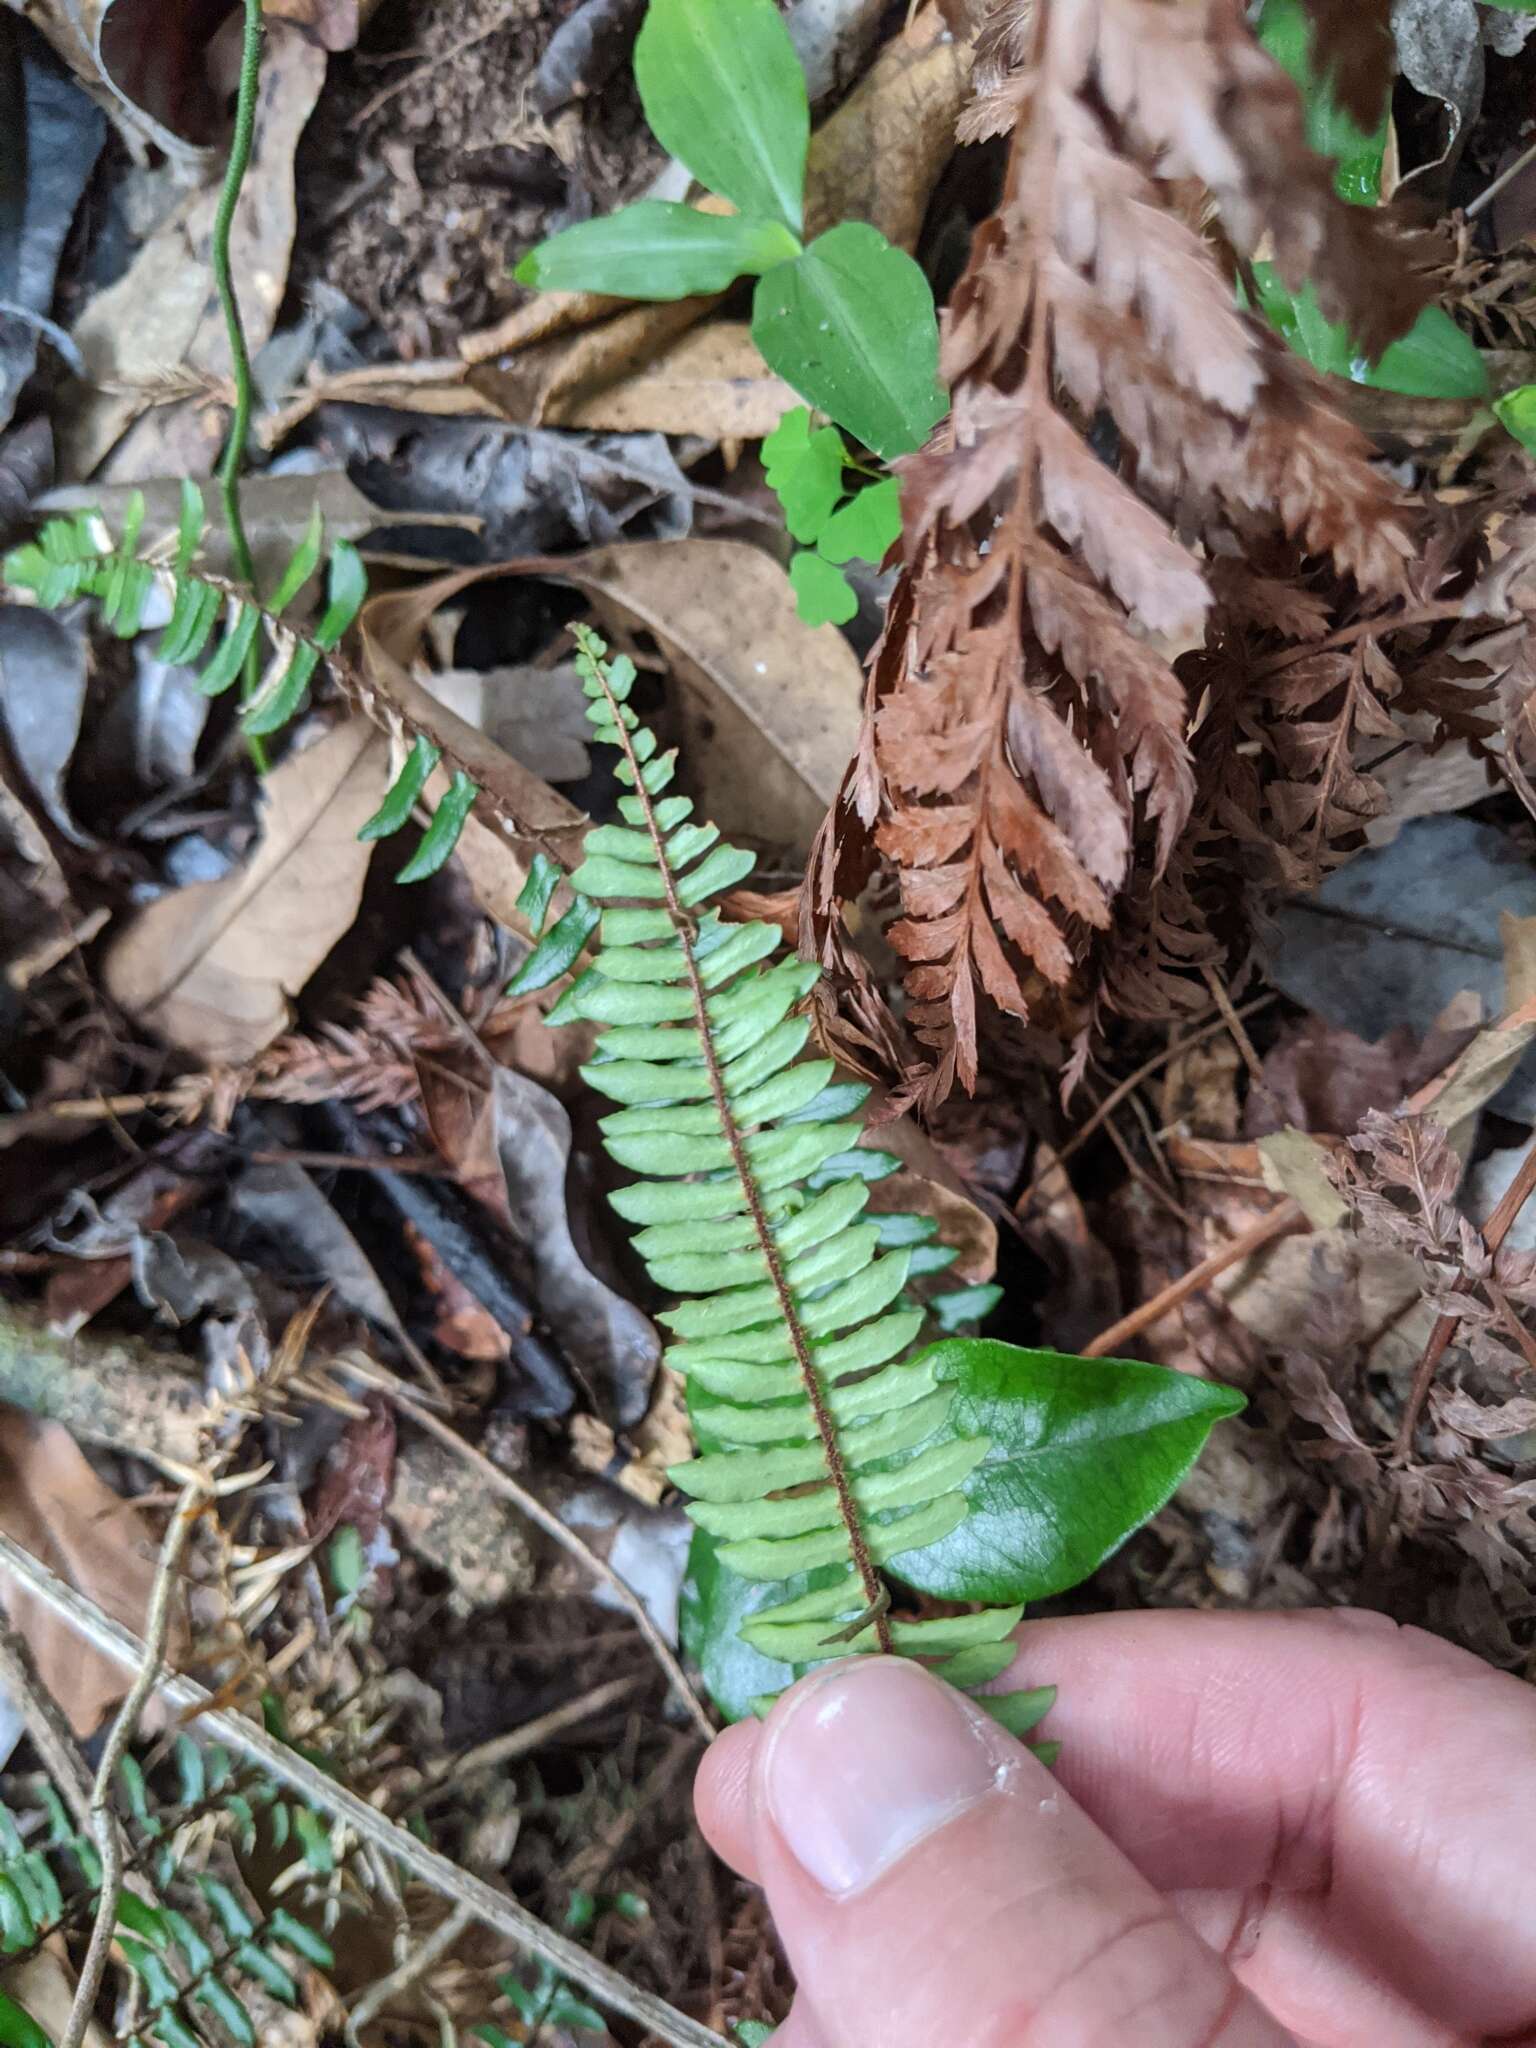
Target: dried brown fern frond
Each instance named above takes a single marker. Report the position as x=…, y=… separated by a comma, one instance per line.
x=1118, y=422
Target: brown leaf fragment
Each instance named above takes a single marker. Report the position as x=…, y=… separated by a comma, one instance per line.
x=212, y=968
x=53, y=1504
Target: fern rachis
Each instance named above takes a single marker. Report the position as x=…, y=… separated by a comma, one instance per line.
x=822, y=1446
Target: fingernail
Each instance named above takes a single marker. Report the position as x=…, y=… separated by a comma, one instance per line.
x=868, y=1762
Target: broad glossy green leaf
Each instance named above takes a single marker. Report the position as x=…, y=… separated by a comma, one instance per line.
x=866, y=526
x=18, y=2029
x=442, y=835
x=804, y=472
x=1434, y=359
x=715, y=1603
x=723, y=90
x=1082, y=1451
x=823, y=594
x=1517, y=409
x=851, y=325
x=1284, y=28
x=657, y=249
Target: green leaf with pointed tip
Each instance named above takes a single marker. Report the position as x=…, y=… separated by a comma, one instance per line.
x=293, y=1934
x=277, y=701
x=657, y=249
x=400, y=799
x=346, y=587
x=302, y=564
x=442, y=835
x=865, y=527
x=723, y=91
x=268, y=1972
x=228, y=657
x=1082, y=1452
x=194, y=517
x=544, y=877
x=851, y=325
x=804, y=472
x=823, y=595
x=557, y=952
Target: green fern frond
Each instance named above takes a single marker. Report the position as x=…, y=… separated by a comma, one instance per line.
x=218, y=630
x=823, y=1447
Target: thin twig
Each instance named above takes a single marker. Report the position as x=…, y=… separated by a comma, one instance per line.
x=404, y=1975
x=502, y=1750
x=544, y=1518
x=109, y=1841
x=1506, y=177
x=1289, y=1216
x=1240, y=1038
x=311, y=1784
x=239, y=352
x=52, y=1736
x=1500, y=1222
x=1117, y=1095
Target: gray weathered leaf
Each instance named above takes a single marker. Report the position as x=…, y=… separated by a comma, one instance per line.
x=604, y=1336
x=43, y=662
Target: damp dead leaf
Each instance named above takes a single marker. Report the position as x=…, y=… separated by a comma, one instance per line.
x=211, y=968
x=160, y=321
x=53, y=1504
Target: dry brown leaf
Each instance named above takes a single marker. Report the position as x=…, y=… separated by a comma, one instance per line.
x=143, y=61
x=161, y=320
x=711, y=381
x=879, y=156
x=211, y=968
x=769, y=705
x=53, y=1504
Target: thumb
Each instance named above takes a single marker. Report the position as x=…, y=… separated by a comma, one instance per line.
x=932, y=1882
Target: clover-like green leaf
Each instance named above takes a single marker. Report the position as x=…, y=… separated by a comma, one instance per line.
x=865, y=527
x=825, y=596
x=804, y=472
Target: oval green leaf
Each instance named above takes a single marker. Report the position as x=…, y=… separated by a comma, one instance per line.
x=657, y=249
x=18, y=2029
x=723, y=90
x=851, y=325
x=1083, y=1451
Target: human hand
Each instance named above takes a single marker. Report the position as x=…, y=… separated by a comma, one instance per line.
x=1262, y=1829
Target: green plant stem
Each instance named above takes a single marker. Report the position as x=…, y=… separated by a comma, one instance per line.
x=239, y=354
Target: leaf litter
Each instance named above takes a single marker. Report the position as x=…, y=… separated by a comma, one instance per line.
x=1204, y=893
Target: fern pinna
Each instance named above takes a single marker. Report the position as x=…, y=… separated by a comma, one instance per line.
x=823, y=1448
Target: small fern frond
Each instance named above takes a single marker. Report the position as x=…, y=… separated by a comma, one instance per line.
x=213, y=627
x=823, y=1449
x=224, y=633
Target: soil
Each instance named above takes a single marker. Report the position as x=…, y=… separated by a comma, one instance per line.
x=428, y=170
